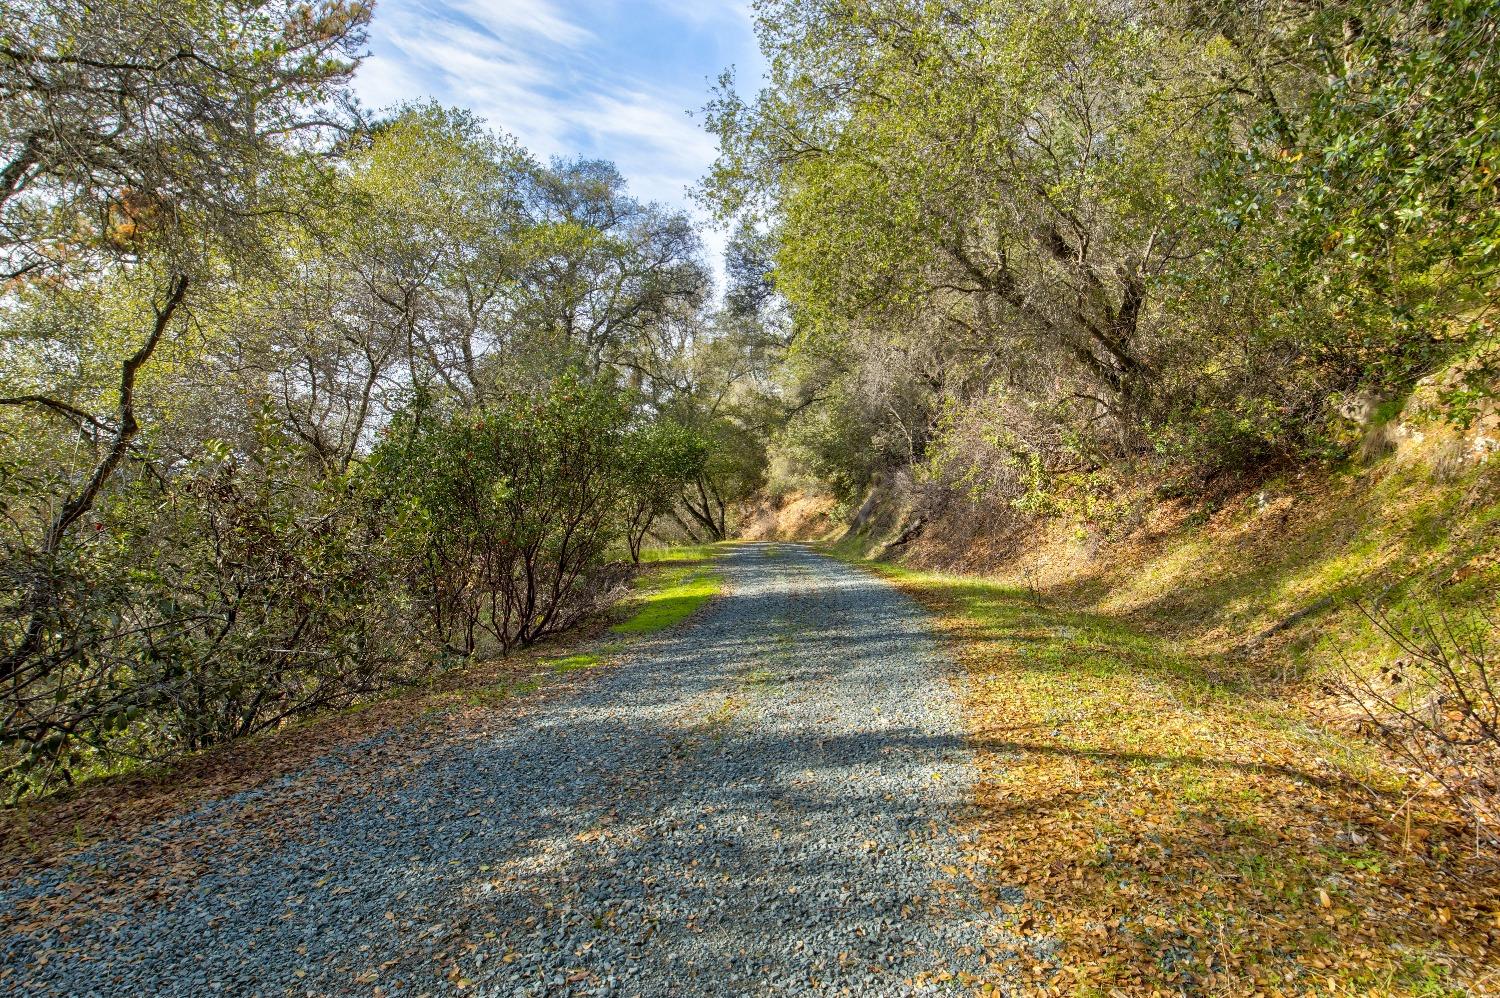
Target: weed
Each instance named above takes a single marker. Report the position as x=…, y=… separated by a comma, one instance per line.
x=761, y=678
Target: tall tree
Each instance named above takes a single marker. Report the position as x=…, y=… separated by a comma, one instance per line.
x=144, y=148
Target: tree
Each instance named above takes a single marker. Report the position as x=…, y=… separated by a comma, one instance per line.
x=658, y=460
x=1106, y=234
x=508, y=507
x=124, y=124
x=438, y=236
x=610, y=272
x=143, y=150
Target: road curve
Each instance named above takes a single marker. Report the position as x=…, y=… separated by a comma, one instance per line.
x=758, y=802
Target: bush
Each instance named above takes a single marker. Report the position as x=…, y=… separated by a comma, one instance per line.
x=506, y=511
x=202, y=608
x=1438, y=707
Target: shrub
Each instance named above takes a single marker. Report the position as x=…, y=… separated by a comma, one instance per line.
x=202, y=608
x=506, y=511
x=1438, y=707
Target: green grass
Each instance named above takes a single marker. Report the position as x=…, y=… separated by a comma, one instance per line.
x=682, y=552
x=495, y=694
x=572, y=663
x=669, y=596
x=854, y=545
x=1170, y=783
x=672, y=588
x=761, y=678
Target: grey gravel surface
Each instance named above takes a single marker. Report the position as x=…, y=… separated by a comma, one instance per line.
x=760, y=801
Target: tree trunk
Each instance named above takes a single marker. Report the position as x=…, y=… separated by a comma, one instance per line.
x=126, y=428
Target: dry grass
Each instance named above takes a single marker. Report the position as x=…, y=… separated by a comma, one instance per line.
x=1178, y=826
x=1167, y=769
x=795, y=517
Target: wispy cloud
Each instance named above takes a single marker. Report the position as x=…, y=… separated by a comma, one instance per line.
x=535, y=17
x=607, y=78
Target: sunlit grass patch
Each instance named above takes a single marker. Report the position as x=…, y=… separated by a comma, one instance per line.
x=667, y=596
x=681, y=552
x=572, y=663
x=761, y=678
x=853, y=545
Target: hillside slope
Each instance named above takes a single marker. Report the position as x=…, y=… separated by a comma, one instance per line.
x=1159, y=692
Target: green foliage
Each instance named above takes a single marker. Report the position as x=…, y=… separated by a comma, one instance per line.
x=656, y=460
x=147, y=154
x=237, y=594
x=1022, y=238
x=1394, y=171
x=507, y=508
x=130, y=130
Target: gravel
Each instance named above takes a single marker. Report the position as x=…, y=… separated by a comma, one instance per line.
x=761, y=801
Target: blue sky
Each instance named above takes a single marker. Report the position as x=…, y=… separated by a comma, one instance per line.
x=608, y=78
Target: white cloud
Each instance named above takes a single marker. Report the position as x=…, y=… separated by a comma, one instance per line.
x=700, y=11
x=662, y=150
x=385, y=80
x=454, y=64
x=563, y=89
x=537, y=17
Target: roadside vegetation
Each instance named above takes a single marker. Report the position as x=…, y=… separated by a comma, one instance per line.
x=1173, y=820
x=454, y=703
x=1154, y=346
x=305, y=401
x=1191, y=758
x=669, y=594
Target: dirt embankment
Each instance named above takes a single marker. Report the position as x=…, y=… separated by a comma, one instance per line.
x=796, y=516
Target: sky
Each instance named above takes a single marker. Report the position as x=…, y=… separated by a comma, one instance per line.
x=613, y=79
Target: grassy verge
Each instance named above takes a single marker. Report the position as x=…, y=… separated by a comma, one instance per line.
x=1178, y=826
x=670, y=592
x=681, y=553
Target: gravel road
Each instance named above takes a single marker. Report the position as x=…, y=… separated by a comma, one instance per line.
x=759, y=801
